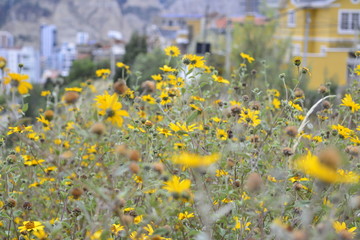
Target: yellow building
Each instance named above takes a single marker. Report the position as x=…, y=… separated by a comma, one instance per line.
x=325, y=33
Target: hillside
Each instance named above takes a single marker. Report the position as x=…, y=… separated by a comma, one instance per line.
x=23, y=17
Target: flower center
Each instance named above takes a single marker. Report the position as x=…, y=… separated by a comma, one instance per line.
x=30, y=225
x=110, y=113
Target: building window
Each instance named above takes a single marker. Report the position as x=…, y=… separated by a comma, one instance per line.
x=349, y=21
x=291, y=19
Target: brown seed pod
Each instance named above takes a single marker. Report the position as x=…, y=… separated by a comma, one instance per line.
x=120, y=87
x=98, y=129
x=254, y=182
x=134, y=167
x=159, y=167
x=330, y=157
x=71, y=97
x=134, y=155
x=291, y=131
x=76, y=193
x=49, y=114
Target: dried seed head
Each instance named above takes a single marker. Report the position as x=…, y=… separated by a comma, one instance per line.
x=71, y=97
x=298, y=186
x=237, y=183
x=330, y=157
x=230, y=163
x=254, y=182
x=299, y=93
x=345, y=235
x=148, y=124
x=134, y=167
x=287, y=151
x=98, y=128
x=291, y=131
x=127, y=219
x=323, y=89
x=76, y=193
x=120, y=87
x=10, y=203
x=255, y=105
x=326, y=104
x=159, y=167
x=149, y=86
x=121, y=149
x=235, y=110
x=133, y=155
x=27, y=206
x=49, y=114
x=353, y=150
x=299, y=235
x=11, y=159
x=76, y=212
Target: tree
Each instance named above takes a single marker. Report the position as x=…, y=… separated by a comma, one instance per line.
x=134, y=47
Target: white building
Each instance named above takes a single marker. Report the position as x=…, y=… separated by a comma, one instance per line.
x=82, y=38
x=48, y=43
x=6, y=39
x=28, y=57
x=66, y=54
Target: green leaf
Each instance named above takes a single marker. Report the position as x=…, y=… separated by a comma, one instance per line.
x=192, y=117
x=25, y=107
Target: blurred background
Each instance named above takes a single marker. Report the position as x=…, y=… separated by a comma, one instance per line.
x=70, y=39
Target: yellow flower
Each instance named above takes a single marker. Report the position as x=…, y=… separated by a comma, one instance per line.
x=195, y=160
x=239, y=225
x=165, y=98
x=103, y=73
x=157, y=77
x=45, y=93
x=115, y=228
x=297, y=60
x=273, y=92
x=164, y=131
x=19, y=81
x=178, y=146
x=276, y=103
x=176, y=186
x=198, y=98
x=296, y=106
x=185, y=215
x=149, y=229
x=148, y=99
x=194, y=61
x=348, y=102
x=247, y=57
x=220, y=172
x=341, y=226
x=343, y=131
x=166, y=68
x=249, y=117
x=312, y=166
x=221, y=134
x=172, y=51
x=182, y=127
x=220, y=79
x=41, y=235
x=74, y=89
x=111, y=108
x=31, y=226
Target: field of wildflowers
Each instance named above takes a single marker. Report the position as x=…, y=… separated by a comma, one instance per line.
x=186, y=155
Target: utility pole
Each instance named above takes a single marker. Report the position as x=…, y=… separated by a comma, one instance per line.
x=306, y=36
